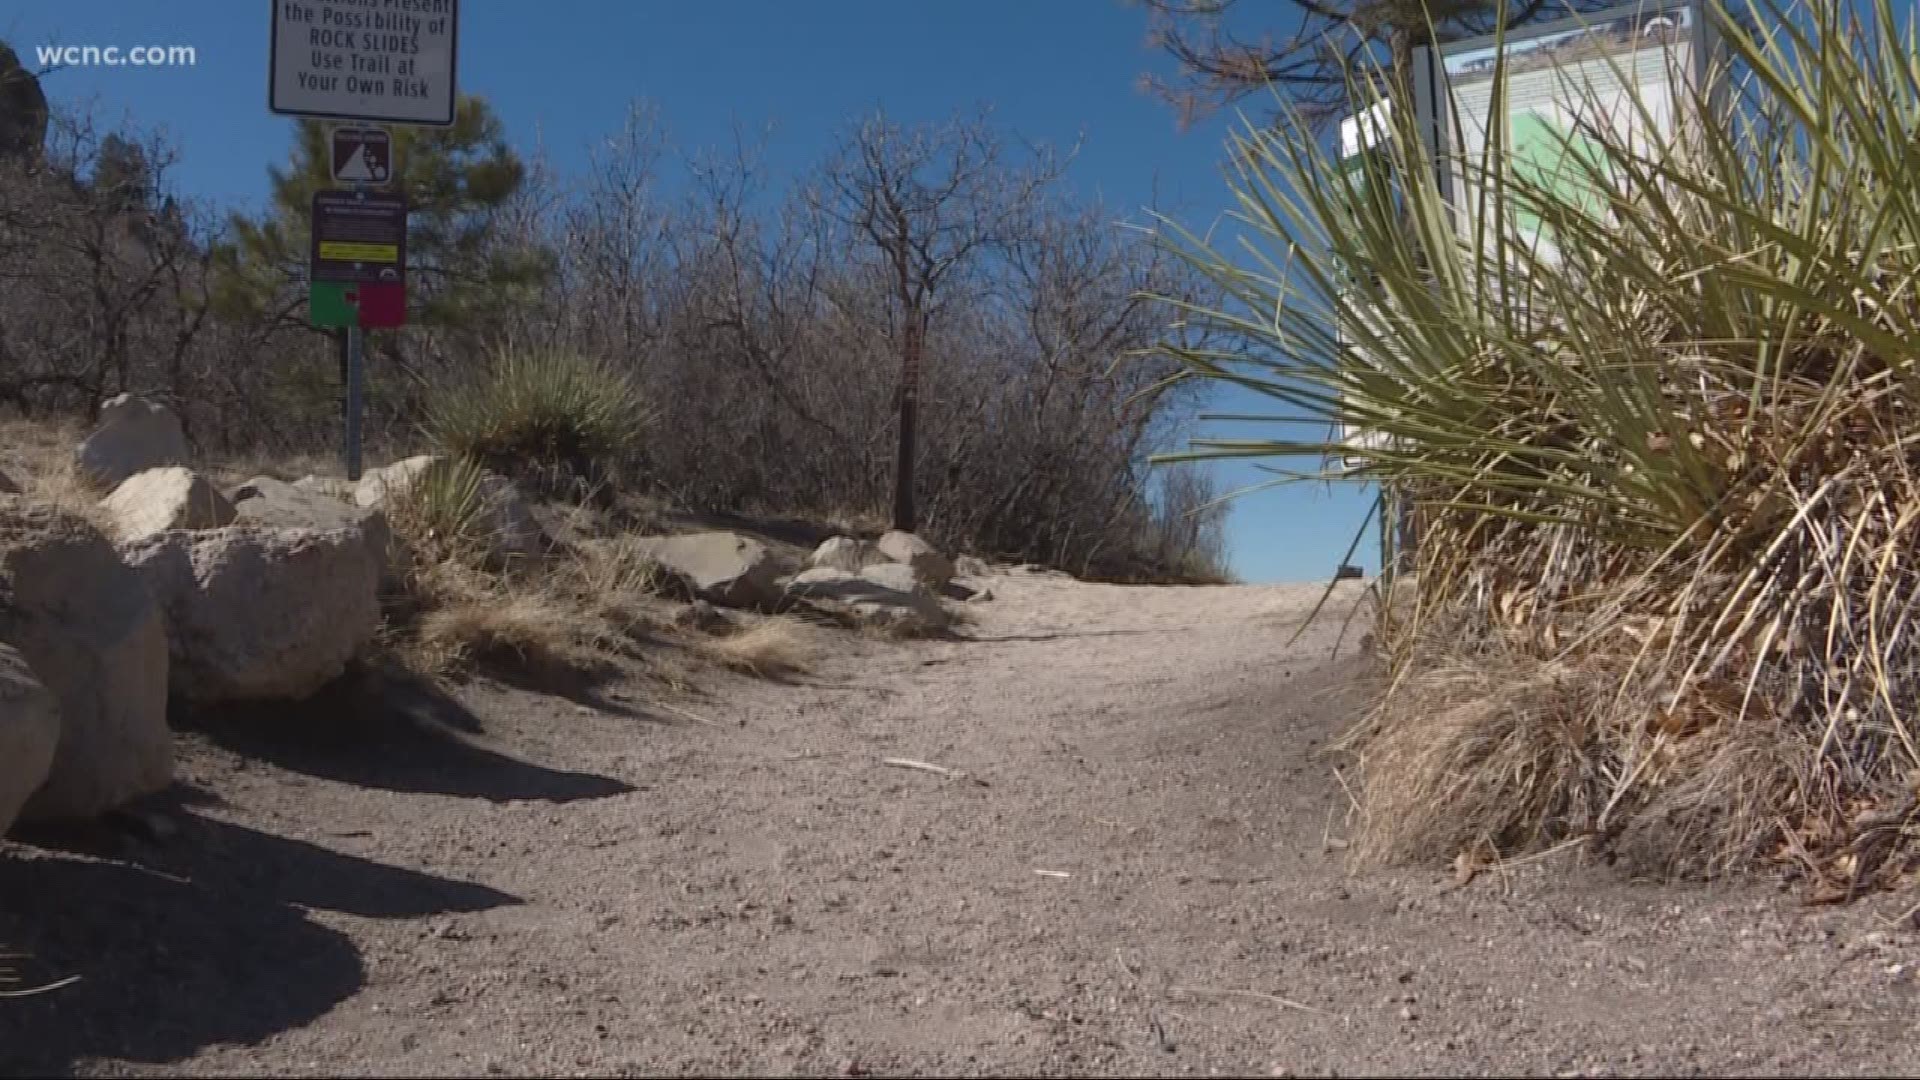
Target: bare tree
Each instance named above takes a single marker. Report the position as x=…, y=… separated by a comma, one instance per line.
x=1229, y=49
x=930, y=202
x=104, y=277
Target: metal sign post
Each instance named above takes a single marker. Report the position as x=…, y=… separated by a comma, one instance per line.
x=355, y=359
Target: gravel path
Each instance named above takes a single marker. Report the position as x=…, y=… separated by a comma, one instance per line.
x=1138, y=873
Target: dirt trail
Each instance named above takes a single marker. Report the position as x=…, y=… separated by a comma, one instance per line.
x=616, y=887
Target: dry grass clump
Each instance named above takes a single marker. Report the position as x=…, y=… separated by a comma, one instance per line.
x=771, y=647
x=39, y=457
x=576, y=610
x=1666, y=462
x=522, y=628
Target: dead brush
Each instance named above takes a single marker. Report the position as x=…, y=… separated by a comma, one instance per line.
x=40, y=459
x=772, y=647
x=585, y=608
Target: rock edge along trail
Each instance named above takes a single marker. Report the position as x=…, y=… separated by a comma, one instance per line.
x=1138, y=873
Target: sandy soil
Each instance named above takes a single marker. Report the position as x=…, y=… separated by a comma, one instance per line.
x=614, y=887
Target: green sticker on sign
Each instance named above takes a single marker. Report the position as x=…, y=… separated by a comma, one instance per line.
x=327, y=304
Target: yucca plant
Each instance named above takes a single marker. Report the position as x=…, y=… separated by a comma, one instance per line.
x=1664, y=463
x=542, y=414
x=441, y=516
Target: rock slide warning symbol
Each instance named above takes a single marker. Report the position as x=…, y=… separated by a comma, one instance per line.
x=361, y=155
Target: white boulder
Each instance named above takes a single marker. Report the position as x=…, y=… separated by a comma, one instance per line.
x=156, y=500
x=928, y=564
x=378, y=485
x=93, y=637
x=264, y=501
x=844, y=553
x=133, y=435
x=260, y=613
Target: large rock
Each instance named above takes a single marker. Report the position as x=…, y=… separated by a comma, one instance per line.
x=844, y=553
x=23, y=109
x=378, y=485
x=7, y=486
x=134, y=435
x=29, y=732
x=264, y=501
x=93, y=636
x=971, y=566
x=258, y=613
x=156, y=500
x=724, y=568
x=928, y=564
x=885, y=596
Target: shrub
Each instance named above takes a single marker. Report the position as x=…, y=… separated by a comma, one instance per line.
x=1666, y=474
x=541, y=415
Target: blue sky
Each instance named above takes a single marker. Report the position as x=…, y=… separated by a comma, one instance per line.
x=563, y=73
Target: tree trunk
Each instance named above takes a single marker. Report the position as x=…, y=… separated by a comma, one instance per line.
x=903, y=509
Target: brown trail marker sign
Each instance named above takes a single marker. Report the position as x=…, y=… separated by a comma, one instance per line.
x=357, y=279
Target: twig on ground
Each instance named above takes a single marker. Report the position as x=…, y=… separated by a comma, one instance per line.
x=923, y=766
x=693, y=716
x=1508, y=864
x=1351, y=800
x=1255, y=994
x=1904, y=919
x=927, y=766
x=1053, y=873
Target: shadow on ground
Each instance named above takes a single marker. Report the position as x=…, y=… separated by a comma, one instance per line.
x=381, y=730
x=181, y=945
